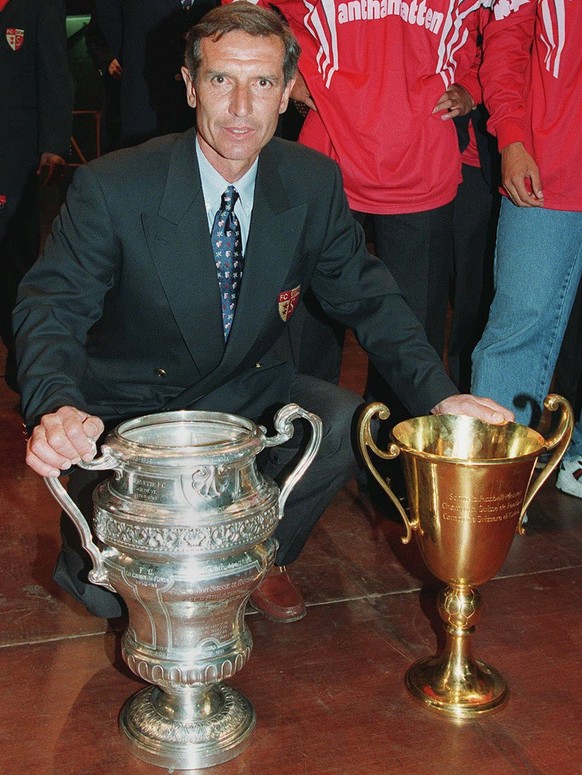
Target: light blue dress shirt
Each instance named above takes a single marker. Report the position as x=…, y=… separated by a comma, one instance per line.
x=214, y=186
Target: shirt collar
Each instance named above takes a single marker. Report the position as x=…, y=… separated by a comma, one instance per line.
x=214, y=185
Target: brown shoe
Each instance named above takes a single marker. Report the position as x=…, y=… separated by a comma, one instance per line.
x=277, y=597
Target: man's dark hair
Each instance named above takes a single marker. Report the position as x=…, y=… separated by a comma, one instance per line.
x=244, y=17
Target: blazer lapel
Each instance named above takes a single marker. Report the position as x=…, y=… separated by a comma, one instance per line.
x=271, y=247
x=179, y=242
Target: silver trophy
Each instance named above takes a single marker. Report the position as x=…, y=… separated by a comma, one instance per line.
x=185, y=534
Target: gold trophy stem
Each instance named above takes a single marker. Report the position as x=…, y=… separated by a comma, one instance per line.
x=454, y=682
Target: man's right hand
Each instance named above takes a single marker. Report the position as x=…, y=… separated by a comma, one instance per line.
x=520, y=176
x=62, y=439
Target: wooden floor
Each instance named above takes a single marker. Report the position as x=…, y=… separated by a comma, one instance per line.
x=328, y=691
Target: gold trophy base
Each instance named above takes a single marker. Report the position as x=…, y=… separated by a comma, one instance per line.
x=455, y=683
x=464, y=690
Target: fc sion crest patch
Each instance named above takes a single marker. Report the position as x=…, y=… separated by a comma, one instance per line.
x=15, y=38
x=288, y=301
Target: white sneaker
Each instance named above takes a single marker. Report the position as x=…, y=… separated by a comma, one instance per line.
x=570, y=477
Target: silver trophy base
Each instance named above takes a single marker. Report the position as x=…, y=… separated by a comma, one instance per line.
x=184, y=731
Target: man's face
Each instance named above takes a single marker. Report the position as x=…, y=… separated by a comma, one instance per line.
x=238, y=96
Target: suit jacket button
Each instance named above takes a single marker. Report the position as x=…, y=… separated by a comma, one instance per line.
x=257, y=365
x=161, y=372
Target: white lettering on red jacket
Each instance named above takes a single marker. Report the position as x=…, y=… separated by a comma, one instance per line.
x=376, y=69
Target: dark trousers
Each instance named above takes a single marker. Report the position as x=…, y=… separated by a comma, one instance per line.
x=334, y=465
x=418, y=250
x=476, y=208
x=569, y=365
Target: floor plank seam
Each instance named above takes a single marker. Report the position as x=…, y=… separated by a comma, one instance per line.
x=53, y=639
x=371, y=596
x=540, y=571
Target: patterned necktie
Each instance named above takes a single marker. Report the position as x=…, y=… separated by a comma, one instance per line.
x=227, y=249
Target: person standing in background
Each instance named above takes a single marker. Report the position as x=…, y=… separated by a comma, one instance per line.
x=147, y=39
x=35, y=135
x=476, y=209
x=110, y=71
x=532, y=84
x=383, y=114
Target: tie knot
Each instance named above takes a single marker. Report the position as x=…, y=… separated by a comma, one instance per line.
x=229, y=199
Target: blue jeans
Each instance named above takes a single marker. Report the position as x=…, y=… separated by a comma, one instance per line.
x=538, y=265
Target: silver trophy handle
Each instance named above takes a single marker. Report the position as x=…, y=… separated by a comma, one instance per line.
x=98, y=574
x=284, y=427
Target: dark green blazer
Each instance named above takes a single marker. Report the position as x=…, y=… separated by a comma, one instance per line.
x=121, y=314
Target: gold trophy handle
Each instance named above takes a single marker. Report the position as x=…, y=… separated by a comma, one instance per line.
x=365, y=441
x=560, y=439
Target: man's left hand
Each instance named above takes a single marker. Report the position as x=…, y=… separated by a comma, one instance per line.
x=48, y=166
x=482, y=408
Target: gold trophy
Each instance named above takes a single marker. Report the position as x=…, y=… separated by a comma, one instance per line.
x=469, y=485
